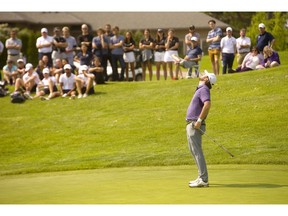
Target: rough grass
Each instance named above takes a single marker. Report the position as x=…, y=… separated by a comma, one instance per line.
x=143, y=124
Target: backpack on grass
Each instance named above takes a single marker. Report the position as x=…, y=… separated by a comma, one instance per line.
x=17, y=97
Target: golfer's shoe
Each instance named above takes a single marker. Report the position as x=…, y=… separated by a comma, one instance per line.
x=193, y=181
x=198, y=183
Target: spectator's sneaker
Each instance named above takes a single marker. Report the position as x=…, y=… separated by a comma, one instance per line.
x=64, y=95
x=188, y=77
x=85, y=95
x=72, y=97
x=198, y=183
x=44, y=98
x=80, y=96
x=28, y=96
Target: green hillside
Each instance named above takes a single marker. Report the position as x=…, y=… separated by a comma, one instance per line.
x=143, y=124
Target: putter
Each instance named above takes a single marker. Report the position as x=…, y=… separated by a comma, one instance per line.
x=221, y=146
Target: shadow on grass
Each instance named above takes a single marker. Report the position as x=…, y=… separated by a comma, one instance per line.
x=254, y=185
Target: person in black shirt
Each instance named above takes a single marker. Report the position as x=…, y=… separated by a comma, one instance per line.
x=85, y=38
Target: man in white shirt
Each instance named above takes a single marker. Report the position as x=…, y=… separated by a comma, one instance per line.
x=243, y=45
x=67, y=82
x=228, y=49
x=29, y=81
x=44, y=45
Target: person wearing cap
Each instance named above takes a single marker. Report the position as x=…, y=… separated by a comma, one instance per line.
x=159, y=53
x=188, y=42
x=214, y=38
x=47, y=86
x=13, y=46
x=10, y=72
x=67, y=83
x=84, y=82
x=264, y=38
x=20, y=67
x=59, y=46
x=243, y=44
x=44, y=46
x=29, y=81
x=228, y=50
x=197, y=113
x=192, y=58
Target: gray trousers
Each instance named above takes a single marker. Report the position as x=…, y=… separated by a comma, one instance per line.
x=194, y=138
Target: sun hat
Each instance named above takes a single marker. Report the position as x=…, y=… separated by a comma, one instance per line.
x=28, y=66
x=46, y=71
x=44, y=30
x=194, y=39
x=228, y=29
x=67, y=66
x=261, y=25
x=83, y=67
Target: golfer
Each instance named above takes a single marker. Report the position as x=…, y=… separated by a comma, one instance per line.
x=196, y=114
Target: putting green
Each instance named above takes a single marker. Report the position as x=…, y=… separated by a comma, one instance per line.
x=229, y=184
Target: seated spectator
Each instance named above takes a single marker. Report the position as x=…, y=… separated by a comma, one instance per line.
x=20, y=67
x=67, y=83
x=98, y=71
x=10, y=72
x=58, y=69
x=39, y=68
x=84, y=57
x=192, y=58
x=250, y=61
x=271, y=58
x=47, y=86
x=29, y=81
x=84, y=82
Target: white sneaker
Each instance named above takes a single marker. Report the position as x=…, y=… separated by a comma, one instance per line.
x=64, y=95
x=188, y=77
x=80, y=96
x=199, y=183
x=85, y=95
x=193, y=181
x=28, y=96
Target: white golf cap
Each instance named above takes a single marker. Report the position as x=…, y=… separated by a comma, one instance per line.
x=83, y=67
x=261, y=25
x=194, y=39
x=44, y=30
x=28, y=66
x=211, y=76
x=45, y=71
x=20, y=60
x=67, y=66
x=228, y=29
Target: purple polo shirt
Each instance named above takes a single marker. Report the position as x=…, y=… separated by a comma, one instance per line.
x=201, y=95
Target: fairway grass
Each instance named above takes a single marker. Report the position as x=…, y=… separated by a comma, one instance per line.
x=229, y=184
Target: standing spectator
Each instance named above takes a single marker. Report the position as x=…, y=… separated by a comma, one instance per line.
x=264, y=38
x=228, y=48
x=59, y=46
x=171, y=45
x=44, y=45
x=243, y=45
x=1, y=51
x=13, y=46
x=85, y=38
x=271, y=58
x=84, y=57
x=116, y=46
x=71, y=45
x=214, y=38
x=67, y=83
x=129, y=57
x=188, y=42
x=146, y=46
x=159, y=53
x=29, y=81
x=47, y=86
x=84, y=82
x=10, y=72
x=108, y=34
x=197, y=113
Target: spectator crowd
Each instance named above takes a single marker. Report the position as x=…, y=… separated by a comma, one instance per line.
x=71, y=67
